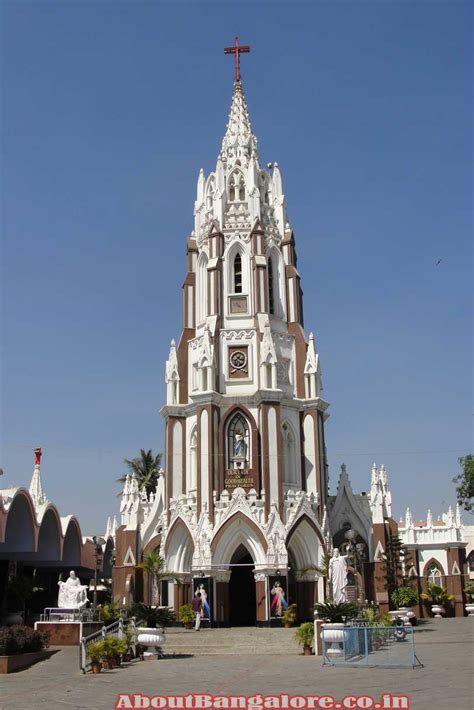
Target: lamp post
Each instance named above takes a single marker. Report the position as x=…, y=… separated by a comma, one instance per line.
x=98, y=542
x=356, y=554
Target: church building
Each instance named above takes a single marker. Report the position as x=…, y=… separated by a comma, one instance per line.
x=242, y=512
x=241, y=504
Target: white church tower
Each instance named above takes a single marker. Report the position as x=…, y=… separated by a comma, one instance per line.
x=245, y=473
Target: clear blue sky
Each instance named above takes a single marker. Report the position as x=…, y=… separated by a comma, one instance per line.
x=109, y=111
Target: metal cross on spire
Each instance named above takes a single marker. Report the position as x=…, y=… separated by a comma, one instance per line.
x=237, y=49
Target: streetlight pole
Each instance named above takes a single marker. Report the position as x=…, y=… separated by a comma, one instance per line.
x=98, y=542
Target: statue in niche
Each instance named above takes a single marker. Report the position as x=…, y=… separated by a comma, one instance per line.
x=240, y=446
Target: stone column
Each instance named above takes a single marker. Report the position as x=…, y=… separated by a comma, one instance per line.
x=222, y=597
x=261, y=597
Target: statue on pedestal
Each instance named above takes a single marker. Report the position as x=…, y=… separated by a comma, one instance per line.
x=72, y=594
x=338, y=576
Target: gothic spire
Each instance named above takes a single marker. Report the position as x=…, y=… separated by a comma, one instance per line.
x=36, y=487
x=239, y=143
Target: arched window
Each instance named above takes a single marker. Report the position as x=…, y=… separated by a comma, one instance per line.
x=290, y=471
x=202, y=287
x=238, y=273
x=236, y=187
x=434, y=574
x=210, y=194
x=238, y=442
x=271, y=287
x=193, y=461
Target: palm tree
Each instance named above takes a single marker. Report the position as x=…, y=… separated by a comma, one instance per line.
x=145, y=468
x=154, y=565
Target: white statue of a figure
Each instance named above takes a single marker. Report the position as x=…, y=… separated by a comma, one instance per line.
x=72, y=594
x=338, y=576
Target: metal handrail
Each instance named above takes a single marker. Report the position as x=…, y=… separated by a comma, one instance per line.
x=116, y=628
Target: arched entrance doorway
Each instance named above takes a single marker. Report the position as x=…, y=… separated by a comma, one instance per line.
x=242, y=594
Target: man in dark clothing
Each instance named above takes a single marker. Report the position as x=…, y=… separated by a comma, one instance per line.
x=196, y=604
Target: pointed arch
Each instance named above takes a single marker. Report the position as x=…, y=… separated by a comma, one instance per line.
x=191, y=483
x=276, y=283
x=210, y=191
x=238, y=530
x=434, y=571
x=201, y=287
x=290, y=457
x=236, y=186
x=179, y=547
x=107, y=561
x=237, y=272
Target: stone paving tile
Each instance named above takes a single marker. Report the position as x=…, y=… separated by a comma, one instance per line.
x=446, y=682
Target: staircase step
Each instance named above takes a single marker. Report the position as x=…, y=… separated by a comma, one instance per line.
x=230, y=641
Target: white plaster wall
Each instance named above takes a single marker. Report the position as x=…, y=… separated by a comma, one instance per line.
x=204, y=460
x=309, y=454
x=273, y=455
x=177, y=459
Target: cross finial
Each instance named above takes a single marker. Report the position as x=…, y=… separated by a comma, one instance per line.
x=237, y=49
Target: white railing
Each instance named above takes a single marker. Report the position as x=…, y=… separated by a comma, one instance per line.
x=116, y=628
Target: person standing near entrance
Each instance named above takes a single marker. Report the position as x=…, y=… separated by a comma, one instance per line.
x=196, y=604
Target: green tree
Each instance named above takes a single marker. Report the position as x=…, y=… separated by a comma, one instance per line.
x=396, y=561
x=154, y=565
x=145, y=468
x=465, y=482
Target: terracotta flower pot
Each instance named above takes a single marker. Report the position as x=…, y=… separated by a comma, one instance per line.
x=116, y=660
x=96, y=667
x=307, y=650
x=287, y=624
x=107, y=664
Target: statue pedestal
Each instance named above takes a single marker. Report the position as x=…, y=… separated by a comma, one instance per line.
x=67, y=633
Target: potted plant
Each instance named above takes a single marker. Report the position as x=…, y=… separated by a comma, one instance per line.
x=289, y=616
x=119, y=648
x=438, y=596
x=108, y=652
x=469, y=592
x=333, y=631
x=405, y=599
x=129, y=639
x=151, y=623
x=305, y=637
x=186, y=616
x=95, y=651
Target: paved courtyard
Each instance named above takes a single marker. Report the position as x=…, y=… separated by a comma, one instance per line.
x=445, y=648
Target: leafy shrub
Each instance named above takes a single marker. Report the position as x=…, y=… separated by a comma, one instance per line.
x=290, y=614
x=186, y=614
x=469, y=591
x=96, y=651
x=336, y=613
x=305, y=634
x=151, y=616
x=21, y=639
x=437, y=594
x=404, y=596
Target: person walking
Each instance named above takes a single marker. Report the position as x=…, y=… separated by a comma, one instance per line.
x=196, y=604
